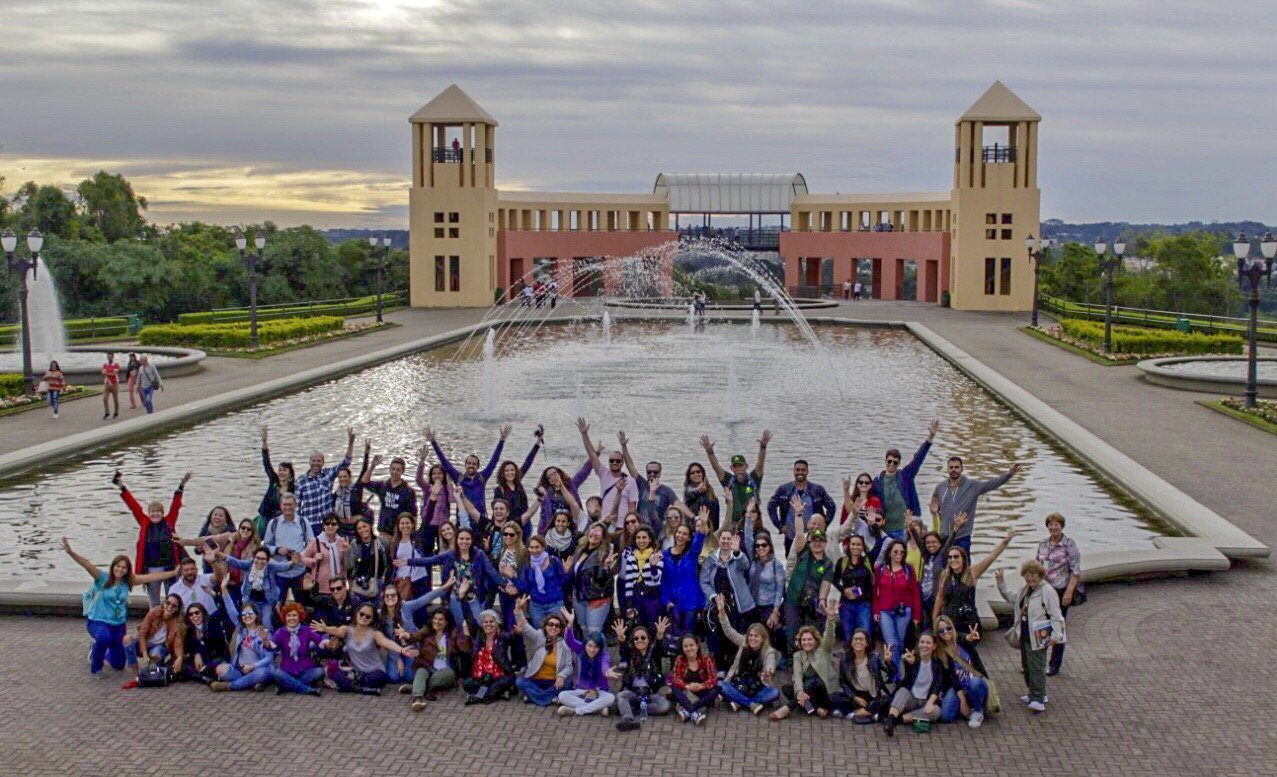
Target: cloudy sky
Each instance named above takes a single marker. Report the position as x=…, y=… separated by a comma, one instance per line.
x=296, y=110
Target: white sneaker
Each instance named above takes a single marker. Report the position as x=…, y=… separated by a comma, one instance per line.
x=565, y=711
x=1037, y=706
x=55, y=414
x=682, y=714
x=975, y=720
x=1026, y=699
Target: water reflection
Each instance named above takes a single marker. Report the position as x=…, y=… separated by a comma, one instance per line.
x=661, y=383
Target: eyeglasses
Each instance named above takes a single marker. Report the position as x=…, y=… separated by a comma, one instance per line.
x=614, y=461
x=653, y=473
x=336, y=588
x=762, y=545
x=864, y=482
x=892, y=460
x=510, y=534
x=952, y=556
x=552, y=625
x=639, y=638
x=367, y=615
x=333, y=524
x=943, y=630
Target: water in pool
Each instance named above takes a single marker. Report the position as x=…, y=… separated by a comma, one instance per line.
x=839, y=407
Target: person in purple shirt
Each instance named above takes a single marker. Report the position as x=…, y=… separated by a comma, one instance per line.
x=297, y=671
x=549, y=492
x=473, y=480
x=394, y=492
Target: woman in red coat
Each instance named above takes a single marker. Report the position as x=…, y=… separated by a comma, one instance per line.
x=157, y=551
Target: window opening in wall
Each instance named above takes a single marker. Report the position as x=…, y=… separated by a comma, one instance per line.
x=990, y=275
x=454, y=272
x=439, y=273
x=454, y=218
x=1006, y=276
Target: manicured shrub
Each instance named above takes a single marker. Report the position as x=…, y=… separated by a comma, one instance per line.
x=11, y=384
x=349, y=308
x=237, y=335
x=76, y=329
x=1139, y=340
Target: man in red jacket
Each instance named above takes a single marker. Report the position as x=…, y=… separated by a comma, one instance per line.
x=157, y=549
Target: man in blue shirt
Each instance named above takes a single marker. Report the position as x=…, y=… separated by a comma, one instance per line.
x=814, y=498
x=287, y=535
x=897, y=486
x=472, y=482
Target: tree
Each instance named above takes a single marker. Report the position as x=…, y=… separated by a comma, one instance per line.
x=48, y=209
x=1193, y=277
x=112, y=207
x=1073, y=274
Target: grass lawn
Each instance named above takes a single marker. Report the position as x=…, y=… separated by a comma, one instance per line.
x=1232, y=408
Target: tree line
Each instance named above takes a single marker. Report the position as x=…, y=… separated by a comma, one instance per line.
x=107, y=259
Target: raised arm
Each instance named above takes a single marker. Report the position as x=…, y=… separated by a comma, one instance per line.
x=421, y=474
x=629, y=460
x=762, y=454
x=708, y=445
x=993, y=483
x=496, y=454
x=443, y=460
x=271, y=475
x=365, y=477
x=350, y=447
x=590, y=452
x=979, y=569
x=921, y=455
x=81, y=560
x=532, y=454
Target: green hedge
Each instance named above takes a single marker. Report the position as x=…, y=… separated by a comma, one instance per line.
x=335, y=308
x=237, y=335
x=11, y=384
x=1140, y=340
x=76, y=329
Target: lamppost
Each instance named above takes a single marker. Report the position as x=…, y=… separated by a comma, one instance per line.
x=1254, y=271
x=250, y=262
x=1107, y=266
x=381, y=265
x=1037, y=253
x=9, y=242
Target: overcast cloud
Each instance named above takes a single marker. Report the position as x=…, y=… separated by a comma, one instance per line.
x=297, y=109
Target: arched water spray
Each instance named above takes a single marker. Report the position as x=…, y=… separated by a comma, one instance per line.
x=489, y=377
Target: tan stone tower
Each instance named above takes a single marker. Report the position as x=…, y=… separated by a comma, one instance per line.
x=452, y=204
x=996, y=203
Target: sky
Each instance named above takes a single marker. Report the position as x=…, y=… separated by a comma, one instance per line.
x=296, y=110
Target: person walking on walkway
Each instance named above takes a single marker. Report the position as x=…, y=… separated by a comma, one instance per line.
x=148, y=382
x=54, y=384
x=130, y=377
x=110, y=386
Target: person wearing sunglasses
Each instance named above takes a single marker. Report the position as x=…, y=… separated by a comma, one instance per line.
x=160, y=639
x=242, y=546
x=363, y=646
x=476, y=579
x=205, y=644
x=955, y=590
x=858, y=503
x=767, y=585
x=864, y=681
x=969, y=694
x=642, y=675
x=654, y=497
x=620, y=494
x=896, y=486
x=325, y=555
x=725, y=574
x=551, y=663
x=747, y=683
x=260, y=585
x=252, y=654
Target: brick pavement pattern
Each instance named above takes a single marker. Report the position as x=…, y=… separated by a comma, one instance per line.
x=1168, y=677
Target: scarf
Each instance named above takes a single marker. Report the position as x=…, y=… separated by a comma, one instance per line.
x=641, y=556
x=294, y=643
x=341, y=501
x=333, y=569
x=557, y=540
x=536, y=561
x=256, y=578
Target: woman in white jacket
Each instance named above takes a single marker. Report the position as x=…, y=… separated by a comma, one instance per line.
x=1038, y=625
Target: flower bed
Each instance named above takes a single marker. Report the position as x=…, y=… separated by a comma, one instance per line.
x=1265, y=409
x=238, y=335
x=13, y=399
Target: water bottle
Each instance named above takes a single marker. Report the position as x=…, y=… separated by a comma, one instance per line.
x=643, y=710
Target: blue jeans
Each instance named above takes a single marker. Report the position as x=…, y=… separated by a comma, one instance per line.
x=766, y=696
x=539, y=611
x=148, y=399
x=977, y=694
x=856, y=615
x=302, y=683
x=240, y=681
x=474, y=606
x=412, y=606
x=108, y=644
x=398, y=668
x=540, y=692
x=894, y=629
x=157, y=653
x=55, y=398
x=287, y=584
x=591, y=619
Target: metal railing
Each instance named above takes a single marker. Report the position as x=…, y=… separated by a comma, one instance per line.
x=998, y=153
x=762, y=238
x=1161, y=319
x=445, y=154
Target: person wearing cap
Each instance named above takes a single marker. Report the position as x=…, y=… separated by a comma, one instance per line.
x=896, y=485
x=809, y=575
x=743, y=482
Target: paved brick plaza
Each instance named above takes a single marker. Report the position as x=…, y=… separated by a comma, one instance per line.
x=1167, y=677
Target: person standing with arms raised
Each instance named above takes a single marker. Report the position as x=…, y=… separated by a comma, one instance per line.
x=745, y=484
x=620, y=494
x=315, y=487
x=897, y=488
x=473, y=481
x=958, y=495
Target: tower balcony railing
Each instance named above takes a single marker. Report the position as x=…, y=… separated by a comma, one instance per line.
x=998, y=153
x=451, y=155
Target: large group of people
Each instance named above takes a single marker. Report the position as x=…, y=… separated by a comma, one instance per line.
x=644, y=599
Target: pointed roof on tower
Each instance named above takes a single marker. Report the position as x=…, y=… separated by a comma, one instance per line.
x=999, y=103
x=452, y=106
